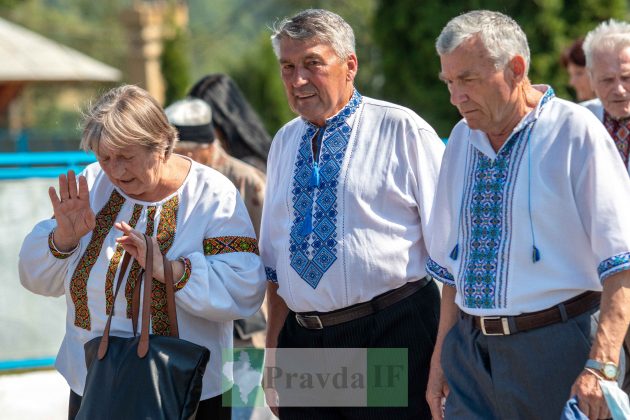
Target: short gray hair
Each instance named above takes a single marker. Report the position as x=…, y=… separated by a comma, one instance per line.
x=611, y=35
x=500, y=34
x=318, y=24
x=127, y=116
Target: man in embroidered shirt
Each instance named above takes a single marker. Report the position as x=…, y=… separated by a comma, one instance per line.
x=350, y=187
x=530, y=214
x=607, y=51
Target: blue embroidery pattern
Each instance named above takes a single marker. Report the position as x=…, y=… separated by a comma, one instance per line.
x=487, y=218
x=440, y=273
x=314, y=253
x=613, y=265
x=271, y=274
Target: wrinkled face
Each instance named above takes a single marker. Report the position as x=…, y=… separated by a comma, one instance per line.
x=317, y=82
x=483, y=95
x=610, y=76
x=136, y=170
x=579, y=80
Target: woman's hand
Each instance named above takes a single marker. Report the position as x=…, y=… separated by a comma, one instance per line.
x=133, y=242
x=72, y=211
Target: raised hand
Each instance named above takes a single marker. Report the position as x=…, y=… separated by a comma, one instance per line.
x=72, y=210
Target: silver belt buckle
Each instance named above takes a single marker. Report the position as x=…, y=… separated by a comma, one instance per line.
x=504, y=324
x=300, y=321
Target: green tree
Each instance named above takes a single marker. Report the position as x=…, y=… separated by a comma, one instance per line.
x=405, y=35
x=175, y=64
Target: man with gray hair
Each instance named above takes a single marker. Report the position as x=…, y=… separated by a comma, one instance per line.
x=529, y=234
x=350, y=188
x=607, y=52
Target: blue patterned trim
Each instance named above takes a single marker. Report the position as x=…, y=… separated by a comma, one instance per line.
x=313, y=251
x=613, y=265
x=487, y=219
x=272, y=276
x=439, y=273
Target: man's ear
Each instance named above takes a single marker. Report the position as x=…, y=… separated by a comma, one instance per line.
x=517, y=68
x=353, y=66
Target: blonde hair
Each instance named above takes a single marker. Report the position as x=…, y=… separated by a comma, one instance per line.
x=127, y=116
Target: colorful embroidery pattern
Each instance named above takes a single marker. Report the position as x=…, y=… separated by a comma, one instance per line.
x=78, y=283
x=613, y=265
x=314, y=253
x=113, y=263
x=53, y=249
x=227, y=244
x=136, y=270
x=165, y=238
x=272, y=276
x=487, y=220
x=439, y=272
x=186, y=276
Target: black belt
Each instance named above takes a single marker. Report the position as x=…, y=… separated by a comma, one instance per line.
x=319, y=320
x=506, y=325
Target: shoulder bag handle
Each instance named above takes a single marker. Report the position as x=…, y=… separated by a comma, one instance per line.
x=102, y=347
x=143, y=345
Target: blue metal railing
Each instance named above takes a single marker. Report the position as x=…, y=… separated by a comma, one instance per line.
x=42, y=164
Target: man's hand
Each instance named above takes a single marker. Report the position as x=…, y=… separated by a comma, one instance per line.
x=437, y=390
x=590, y=397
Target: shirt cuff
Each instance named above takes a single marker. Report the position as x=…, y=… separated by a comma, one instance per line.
x=613, y=265
x=53, y=249
x=272, y=276
x=440, y=273
x=187, y=272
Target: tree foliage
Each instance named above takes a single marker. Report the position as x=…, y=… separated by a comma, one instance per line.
x=406, y=32
x=175, y=64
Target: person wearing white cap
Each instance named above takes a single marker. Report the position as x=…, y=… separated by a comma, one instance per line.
x=192, y=117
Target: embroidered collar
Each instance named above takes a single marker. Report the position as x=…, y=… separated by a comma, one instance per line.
x=341, y=116
x=480, y=141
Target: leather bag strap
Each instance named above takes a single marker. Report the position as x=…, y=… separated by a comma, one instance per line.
x=170, y=297
x=102, y=347
x=143, y=345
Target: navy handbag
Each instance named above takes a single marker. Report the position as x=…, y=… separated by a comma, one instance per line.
x=146, y=376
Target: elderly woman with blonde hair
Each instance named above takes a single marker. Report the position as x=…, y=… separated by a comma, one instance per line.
x=194, y=216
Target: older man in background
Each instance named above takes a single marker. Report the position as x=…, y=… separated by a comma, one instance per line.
x=530, y=220
x=607, y=51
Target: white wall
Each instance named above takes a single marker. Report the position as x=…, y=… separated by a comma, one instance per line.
x=31, y=326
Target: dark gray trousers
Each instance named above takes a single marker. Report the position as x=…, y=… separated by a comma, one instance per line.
x=527, y=375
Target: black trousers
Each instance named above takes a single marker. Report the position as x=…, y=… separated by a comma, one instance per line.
x=411, y=323
x=210, y=409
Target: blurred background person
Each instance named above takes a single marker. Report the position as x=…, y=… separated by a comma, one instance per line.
x=138, y=186
x=573, y=60
x=192, y=117
x=236, y=123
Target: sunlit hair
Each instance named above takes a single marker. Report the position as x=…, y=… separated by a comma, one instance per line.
x=127, y=116
x=609, y=36
x=316, y=24
x=500, y=34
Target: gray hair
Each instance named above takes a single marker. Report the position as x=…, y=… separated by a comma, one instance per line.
x=318, y=24
x=127, y=116
x=611, y=35
x=500, y=34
